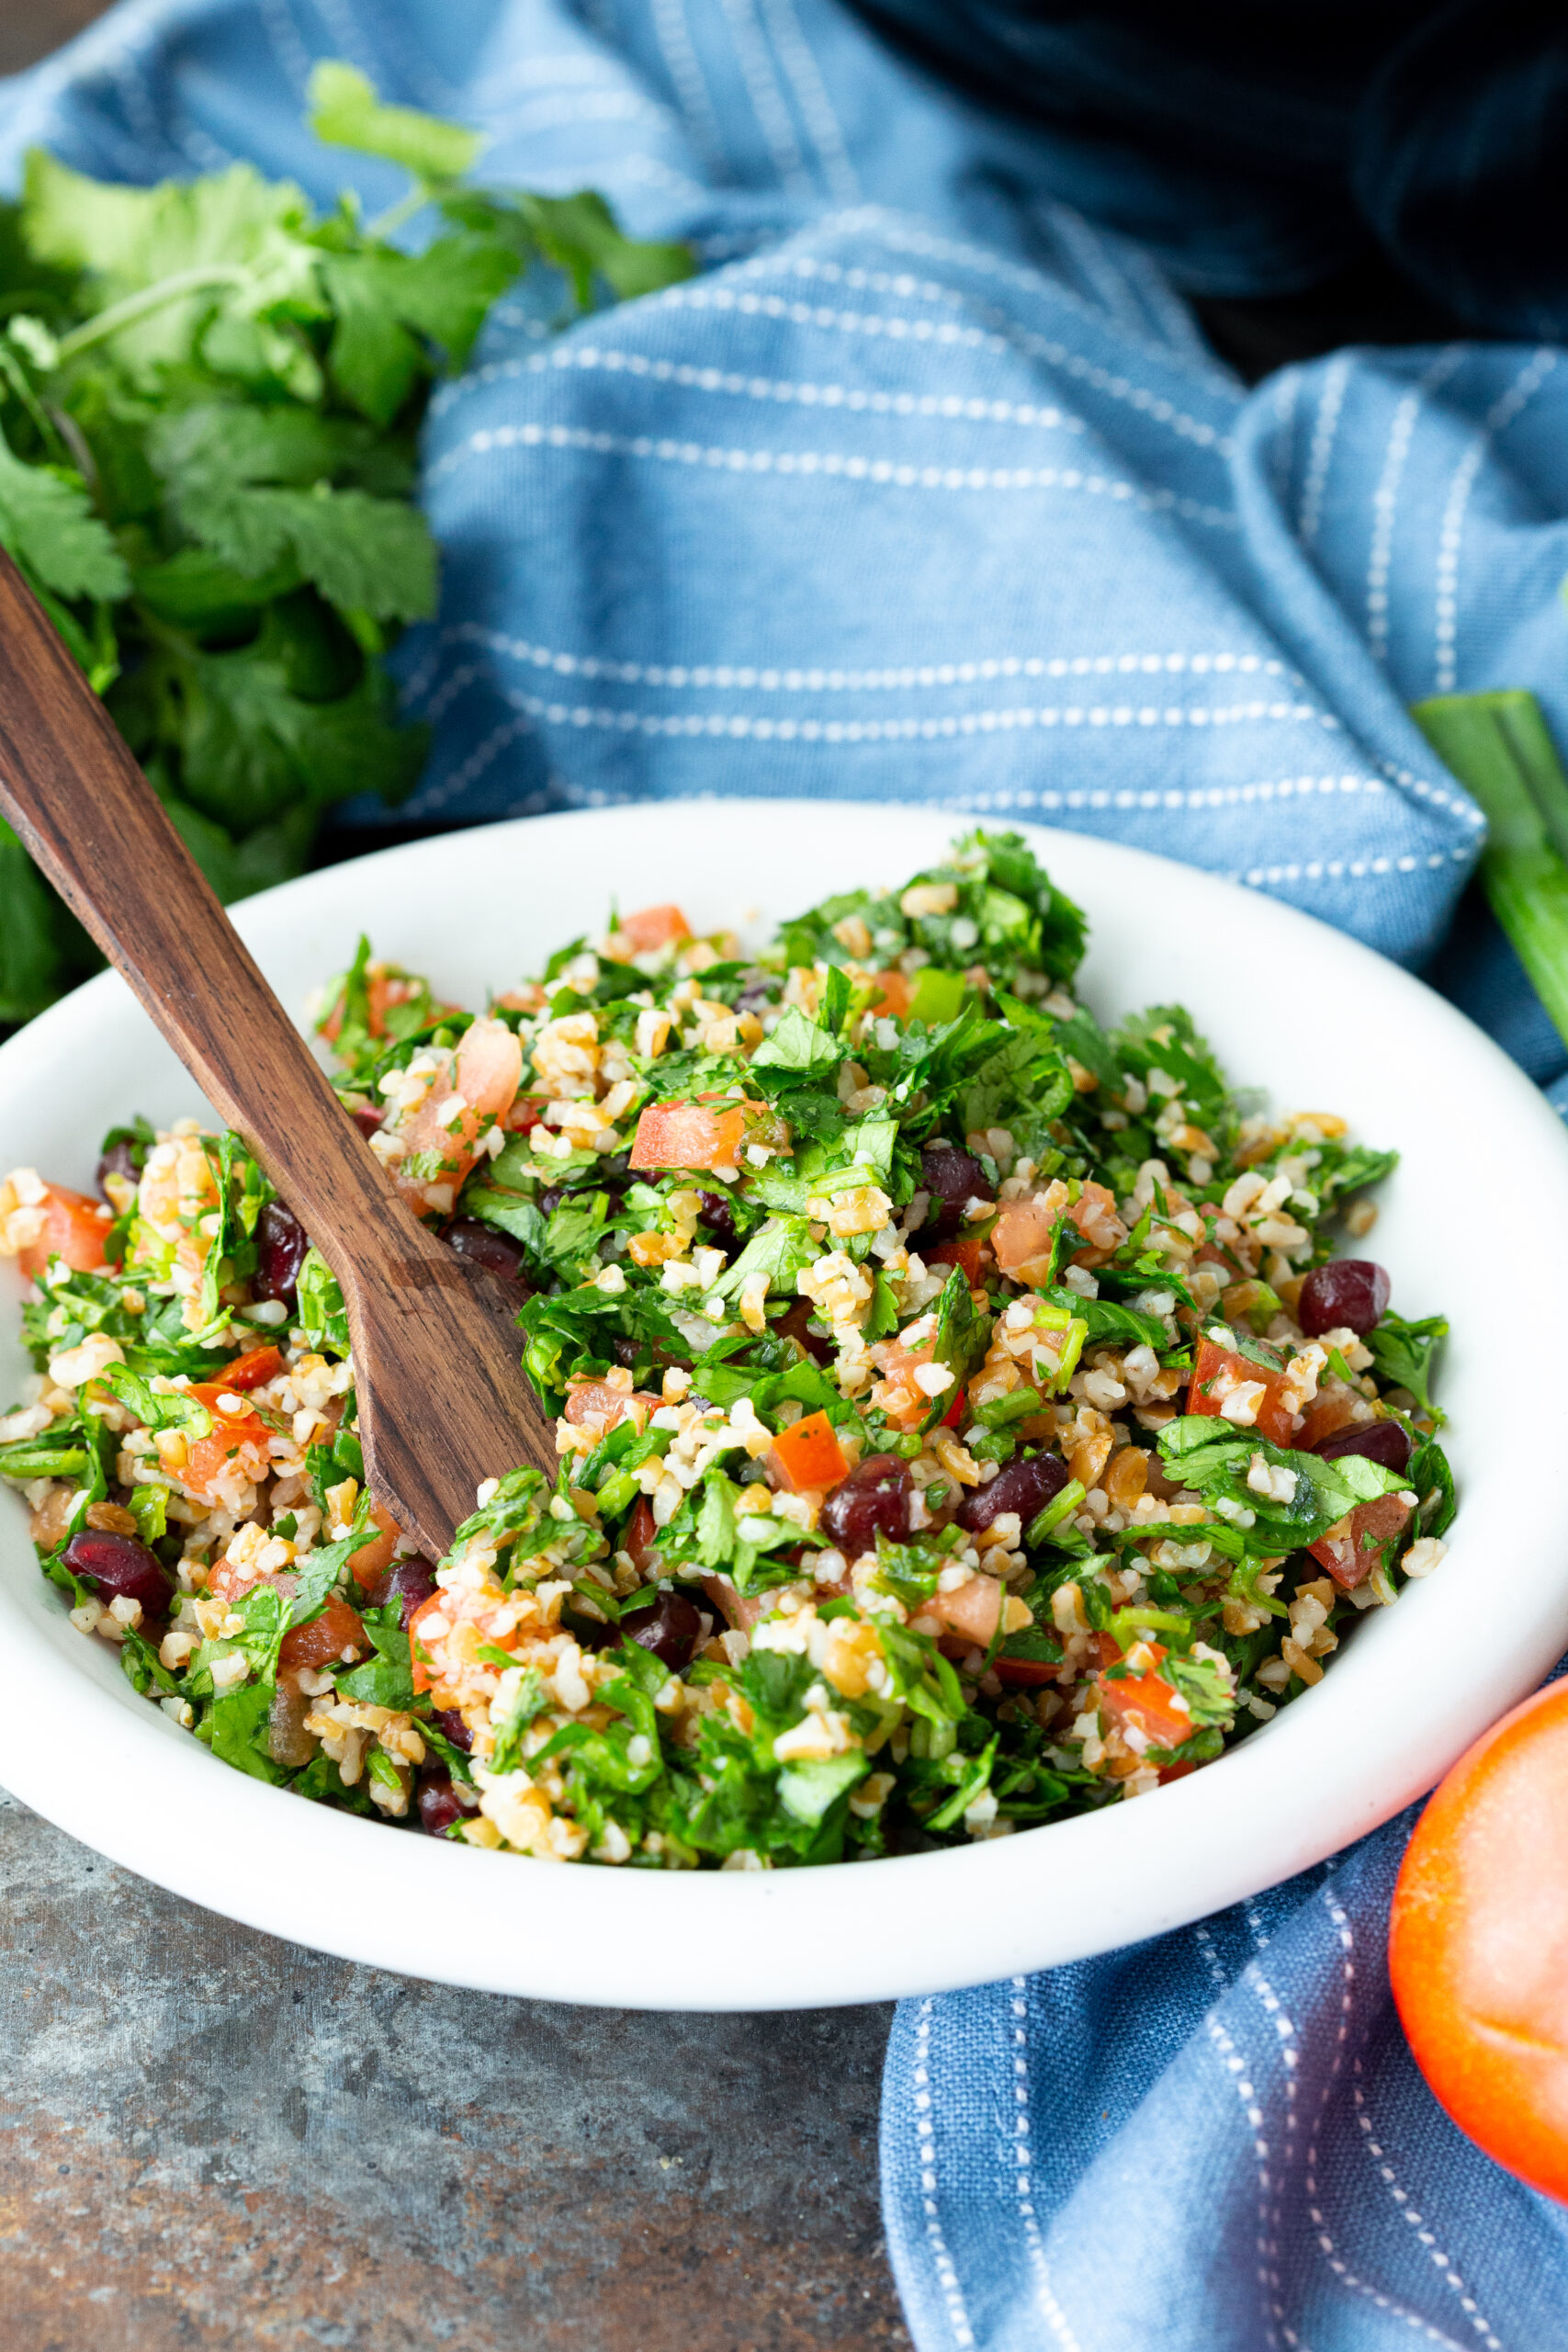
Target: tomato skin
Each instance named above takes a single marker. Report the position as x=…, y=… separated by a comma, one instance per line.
x=1272, y=1421
x=253, y=1370
x=1478, y=1942
x=74, y=1228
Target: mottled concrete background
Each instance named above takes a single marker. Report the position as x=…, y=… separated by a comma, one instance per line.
x=214, y=2140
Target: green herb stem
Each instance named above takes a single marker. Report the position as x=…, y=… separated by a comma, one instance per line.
x=206, y=277
x=1499, y=747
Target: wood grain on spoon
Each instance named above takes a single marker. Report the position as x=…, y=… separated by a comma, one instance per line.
x=443, y=1400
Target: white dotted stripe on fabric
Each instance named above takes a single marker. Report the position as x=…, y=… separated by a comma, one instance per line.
x=687, y=80
x=744, y=677
x=767, y=100
x=1050, y=2310
x=853, y=399
x=1340, y=2268
x=1320, y=456
x=742, y=727
x=1353, y=869
x=796, y=55
x=830, y=465
x=1003, y=334
x=903, y=236
x=1442, y=2262
x=1451, y=538
x=1245, y=2090
x=1289, y=2056
x=925, y=2151
x=1385, y=498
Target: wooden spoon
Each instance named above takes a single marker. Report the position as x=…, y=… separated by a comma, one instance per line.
x=443, y=1399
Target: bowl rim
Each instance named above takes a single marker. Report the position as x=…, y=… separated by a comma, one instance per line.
x=128, y=1783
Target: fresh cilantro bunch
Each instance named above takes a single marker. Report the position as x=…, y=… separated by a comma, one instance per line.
x=210, y=404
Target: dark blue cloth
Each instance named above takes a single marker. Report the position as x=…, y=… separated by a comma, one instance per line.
x=927, y=489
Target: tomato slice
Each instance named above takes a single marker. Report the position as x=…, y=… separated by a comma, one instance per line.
x=418, y=1661
x=651, y=927
x=1353, y=1547
x=964, y=1252
x=206, y=1458
x=253, y=1370
x=1217, y=1371
x=807, y=1455
x=1478, y=1942
x=689, y=1135
x=1147, y=1701
x=75, y=1228
x=332, y=1635
x=893, y=997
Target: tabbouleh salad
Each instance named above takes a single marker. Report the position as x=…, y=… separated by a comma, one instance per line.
x=961, y=1420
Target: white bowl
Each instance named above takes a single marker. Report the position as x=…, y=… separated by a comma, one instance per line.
x=1481, y=1200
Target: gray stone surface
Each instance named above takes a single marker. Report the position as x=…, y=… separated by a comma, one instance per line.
x=215, y=2140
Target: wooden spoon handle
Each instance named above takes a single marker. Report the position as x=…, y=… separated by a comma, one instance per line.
x=84, y=811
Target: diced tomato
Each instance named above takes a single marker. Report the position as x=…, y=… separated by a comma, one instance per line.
x=739, y=1611
x=208, y=1458
x=893, y=1000
x=593, y=1404
x=689, y=1135
x=253, y=1370
x=897, y=1395
x=1025, y=1673
x=652, y=927
x=972, y=1611
x=524, y=1114
x=1217, y=1370
x=1333, y=1410
x=74, y=1228
x=484, y=1072
x=419, y=1662
x=639, y=1535
x=807, y=1455
x=1148, y=1702
x=954, y=1412
x=333, y=1634
x=965, y=1253
x=370, y=1564
x=1353, y=1546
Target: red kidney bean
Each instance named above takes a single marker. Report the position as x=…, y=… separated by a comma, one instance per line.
x=874, y=1499
x=952, y=1177
x=409, y=1582
x=450, y=1724
x=121, y=1159
x=479, y=1244
x=671, y=1627
x=281, y=1244
x=367, y=1119
x=719, y=1221
x=438, y=1806
x=121, y=1566
x=1348, y=1294
x=1023, y=1487
x=1381, y=1441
